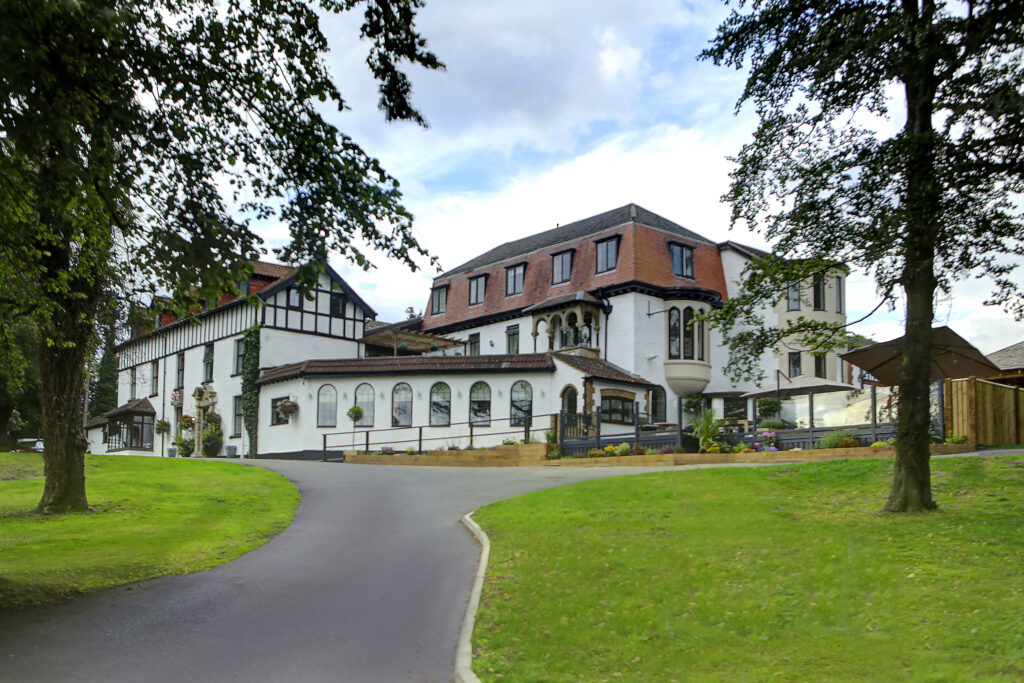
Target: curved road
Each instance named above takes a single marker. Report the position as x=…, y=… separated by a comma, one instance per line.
x=368, y=584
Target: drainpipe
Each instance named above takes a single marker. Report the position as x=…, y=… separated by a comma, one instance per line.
x=606, y=308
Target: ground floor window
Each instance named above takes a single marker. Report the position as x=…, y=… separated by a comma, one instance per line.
x=522, y=403
x=480, y=404
x=130, y=431
x=617, y=410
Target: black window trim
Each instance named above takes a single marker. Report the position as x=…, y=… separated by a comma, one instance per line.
x=618, y=240
x=693, y=255
x=433, y=304
x=510, y=267
x=572, y=258
x=472, y=279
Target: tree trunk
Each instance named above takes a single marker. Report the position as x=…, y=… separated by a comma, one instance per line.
x=61, y=386
x=911, y=485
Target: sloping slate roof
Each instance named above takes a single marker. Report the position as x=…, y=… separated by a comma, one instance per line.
x=1010, y=358
x=394, y=365
x=571, y=231
x=97, y=421
x=560, y=300
x=138, y=405
x=601, y=369
x=752, y=252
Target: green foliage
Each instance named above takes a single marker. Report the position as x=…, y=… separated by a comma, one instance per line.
x=185, y=446
x=550, y=436
x=880, y=444
x=956, y=438
x=775, y=424
x=705, y=428
x=162, y=427
x=837, y=440
x=554, y=454
x=250, y=392
x=596, y=453
x=768, y=407
x=213, y=435
x=694, y=404
x=508, y=442
x=622, y=449
x=354, y=414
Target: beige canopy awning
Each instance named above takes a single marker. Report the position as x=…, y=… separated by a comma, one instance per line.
x=952, y=357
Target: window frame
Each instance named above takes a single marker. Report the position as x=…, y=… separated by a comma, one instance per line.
x=518, y=416
x=133, y=382
x=685, y=261
x=839, y=294
x=395, y=422
x=239, y=355
x=659, y=404
x=793, y=296
x=320, y=406
x=295, y=305
x=512, y=332
x=337, y=305
x=207, y=362
x=558, y=259
x=439, y=295
x=515, y=275
x=616, y=411
x=821, y=367
x=236, y=416
x=179, y=373
x=434, y=417
x=368, y=408
x=276, y=419
x=606, y=243
x=688, y=332
x=795, y=361
x=818, y=292
x=477, y=290
x=154, y=378
x=473, y=344
x=675, y=335
x=479, y=402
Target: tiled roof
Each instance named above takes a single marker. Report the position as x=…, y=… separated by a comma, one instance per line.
x=274, y=270
x=97, y=421
x=395, y=365
x=135, y=406
x=601, y=369
x=1010, y=358
x=572, y=231
x=561, y=300
x=751, y=252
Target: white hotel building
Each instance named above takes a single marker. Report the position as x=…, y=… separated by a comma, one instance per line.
x=592, y=316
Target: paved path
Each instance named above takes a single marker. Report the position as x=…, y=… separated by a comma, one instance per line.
x=368, y=584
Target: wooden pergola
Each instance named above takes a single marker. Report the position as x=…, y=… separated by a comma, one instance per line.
x=416, y=342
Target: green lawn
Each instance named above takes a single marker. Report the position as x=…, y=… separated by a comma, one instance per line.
x=152, y=516
x=785, y=573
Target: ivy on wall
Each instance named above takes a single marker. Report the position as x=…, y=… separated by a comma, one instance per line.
x=250, y=392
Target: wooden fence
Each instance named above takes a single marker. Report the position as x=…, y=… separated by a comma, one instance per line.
x=985, y=412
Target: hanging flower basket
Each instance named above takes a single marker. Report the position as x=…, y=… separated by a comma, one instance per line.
x=285, y=409
x=187, y=422
x=162, y=427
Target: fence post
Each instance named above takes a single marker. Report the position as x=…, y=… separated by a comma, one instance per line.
x=325, y=449
x=561, y=429
x=526, y=429
x=679, y=420
x=636, y=422
x=597, y=427
x=972, y=410
x=947, y=407
x=470, y=435
x=367, y=441
x=874, y=413
x=420, y=448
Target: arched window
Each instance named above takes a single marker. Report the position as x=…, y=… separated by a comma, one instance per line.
x=440, y=405
x=480, y=404
x=673, y=333
x=522, y=402
x=364, y=399
x=401, y=405
x=688, y=333
x=569, y=400
x=555, y=333
x=700, y=337
x=658, y=405
x=327, y=406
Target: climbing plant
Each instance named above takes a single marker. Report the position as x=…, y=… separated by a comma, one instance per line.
x=250, y=392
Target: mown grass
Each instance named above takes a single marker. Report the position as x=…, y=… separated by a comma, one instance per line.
x=150, y=517
x=778, y=573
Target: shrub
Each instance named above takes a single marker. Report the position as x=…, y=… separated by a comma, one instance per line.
x=705, y=427
x=387, y=450
x=956, y=438
x=554, y=454
x=768, y=406
x=880, y=444
x=665, y=450
x=623, y=449
x=411, y=450
x=773, y=423
x=678, y=449
x=609, y=449
x=162, y=427
x=837, y=440
x=738, y=448
x=184, y=445
x=694, y=404
x=650, y=451
x=508, y=442
x=596, y=453
x=550, y=437
x=638, y=449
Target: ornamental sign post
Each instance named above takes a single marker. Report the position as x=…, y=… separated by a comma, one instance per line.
x=205, y=398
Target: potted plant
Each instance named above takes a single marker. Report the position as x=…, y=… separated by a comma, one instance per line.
x=287, y=408
x=355, y=414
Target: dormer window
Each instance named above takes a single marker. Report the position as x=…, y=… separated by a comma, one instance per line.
x=607, y=254
x=561, y=267
x=439, y=300
x=477, y=290
x=682, y=259
x=514, y=276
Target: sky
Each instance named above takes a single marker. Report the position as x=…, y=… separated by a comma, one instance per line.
x=550, y=112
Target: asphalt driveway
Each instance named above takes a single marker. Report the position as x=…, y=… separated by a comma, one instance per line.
x=368, y=584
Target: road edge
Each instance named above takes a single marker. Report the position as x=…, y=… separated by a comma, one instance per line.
x=464, y=648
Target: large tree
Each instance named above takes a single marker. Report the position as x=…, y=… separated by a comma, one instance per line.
x=890, y=139
x=143, y=142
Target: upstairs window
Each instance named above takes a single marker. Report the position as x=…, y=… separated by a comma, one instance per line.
x=208, y=363
x=512, y=339
x=682, y=259
x=607, y=254
x=438, y=300
x=337, y=305
x=154, y=379
x=294, y=298
x=474, y=344
x=477, y=290
x=180, y=374
x=688, y=331
x=239, y=354
x=839, y=295
x=794, y=364
x=561, y=267
x=514, y=279
x=674, y=335
x=793, y=297
x=132, y=383
x=819, y=367
x=819, y=292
